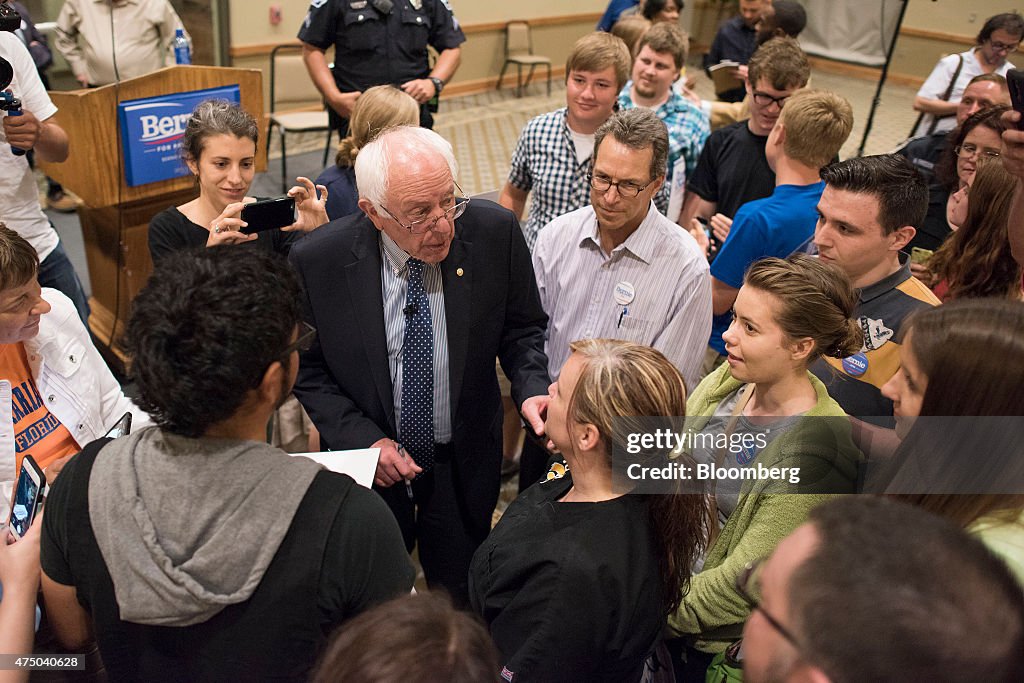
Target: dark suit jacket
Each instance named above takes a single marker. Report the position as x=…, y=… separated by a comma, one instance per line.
x=492, y=309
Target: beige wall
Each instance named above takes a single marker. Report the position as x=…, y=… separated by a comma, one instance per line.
x=250, y=25
x=954, y=16
x=917, y=54
x=930, y=30
x=250, y=21
x=482, y=53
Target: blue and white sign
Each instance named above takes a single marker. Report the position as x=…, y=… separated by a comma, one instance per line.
x=152, y=128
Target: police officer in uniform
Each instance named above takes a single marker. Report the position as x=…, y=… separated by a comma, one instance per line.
x=377, y=42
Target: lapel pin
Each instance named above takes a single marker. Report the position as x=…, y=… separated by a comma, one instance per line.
x=459, y=272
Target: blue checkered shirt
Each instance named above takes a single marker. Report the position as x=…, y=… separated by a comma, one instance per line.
x=688, y=129
x=544, y=163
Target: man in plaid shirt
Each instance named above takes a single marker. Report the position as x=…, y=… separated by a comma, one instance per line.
x=552, y=156
x=661, y=54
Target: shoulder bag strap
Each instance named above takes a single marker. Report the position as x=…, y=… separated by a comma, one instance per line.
x=945, y=97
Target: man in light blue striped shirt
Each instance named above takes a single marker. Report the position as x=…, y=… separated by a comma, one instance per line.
x=618, y=268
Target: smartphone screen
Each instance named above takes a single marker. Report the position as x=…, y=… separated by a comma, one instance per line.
x=122, y=427
x=268, y=214
x=920, y=256
x=28, y=496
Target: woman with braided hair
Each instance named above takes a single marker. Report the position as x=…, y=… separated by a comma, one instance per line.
x=379, y=108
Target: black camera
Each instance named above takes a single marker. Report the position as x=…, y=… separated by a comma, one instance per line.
x=10, y=21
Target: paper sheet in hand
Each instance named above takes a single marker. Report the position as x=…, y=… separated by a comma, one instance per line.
x=358, y=463
x=724, y=64
x=677, y=191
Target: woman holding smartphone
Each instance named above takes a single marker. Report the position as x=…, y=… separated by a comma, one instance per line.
x=219, y=146
x=19, y=589
x=59, y=394
x=788, y=313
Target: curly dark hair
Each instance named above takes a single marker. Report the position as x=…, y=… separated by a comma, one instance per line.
x=651, y=8
x=204, y=330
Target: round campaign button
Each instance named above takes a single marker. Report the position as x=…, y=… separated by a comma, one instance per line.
x=856, y=365
x=624, y=293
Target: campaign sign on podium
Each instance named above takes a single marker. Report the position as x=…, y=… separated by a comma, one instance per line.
x=152, y=128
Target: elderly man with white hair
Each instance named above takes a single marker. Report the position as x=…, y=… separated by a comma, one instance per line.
x=413, y=298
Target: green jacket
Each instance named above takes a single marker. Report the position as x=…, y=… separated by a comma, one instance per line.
x=713, y=612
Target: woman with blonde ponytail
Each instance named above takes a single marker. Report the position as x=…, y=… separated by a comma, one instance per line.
x=379, y=108
x=763, y=411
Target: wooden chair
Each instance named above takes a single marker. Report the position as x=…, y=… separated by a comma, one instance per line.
x=291, y=88
x=519, y=51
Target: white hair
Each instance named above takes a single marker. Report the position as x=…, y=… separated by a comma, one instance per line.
x=373, y=165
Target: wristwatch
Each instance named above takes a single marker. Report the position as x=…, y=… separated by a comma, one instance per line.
x=438, y=84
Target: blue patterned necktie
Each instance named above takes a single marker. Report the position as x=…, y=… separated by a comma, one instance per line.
x=416, y=425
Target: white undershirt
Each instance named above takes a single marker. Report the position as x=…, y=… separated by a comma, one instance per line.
x=584, y=145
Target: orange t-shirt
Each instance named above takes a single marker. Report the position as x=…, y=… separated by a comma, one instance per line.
x=36, y=430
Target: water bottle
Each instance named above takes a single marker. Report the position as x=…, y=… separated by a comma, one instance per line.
x=182, y=47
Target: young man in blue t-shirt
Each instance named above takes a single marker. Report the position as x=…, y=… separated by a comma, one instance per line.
x=813, y=126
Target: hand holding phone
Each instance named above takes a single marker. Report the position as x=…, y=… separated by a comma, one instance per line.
x=920, y=256
x=28, y=496
x=310, y=205
x=713, y=242
x=699, y=230
x=20, y=572
x=1015, y=83
x=226, y=228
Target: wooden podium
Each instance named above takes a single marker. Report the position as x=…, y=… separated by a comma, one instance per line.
x=115, y=217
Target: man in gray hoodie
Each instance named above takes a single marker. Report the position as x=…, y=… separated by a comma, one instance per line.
x=198, y=551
